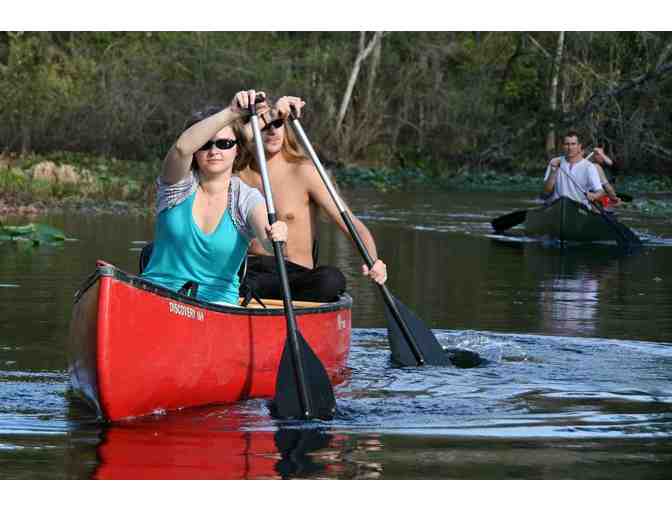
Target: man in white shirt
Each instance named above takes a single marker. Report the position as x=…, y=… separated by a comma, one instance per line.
x=572, y=176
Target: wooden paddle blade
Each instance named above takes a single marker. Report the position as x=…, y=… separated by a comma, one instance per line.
x=508, y=220
x=429, y=346
x=288, y=403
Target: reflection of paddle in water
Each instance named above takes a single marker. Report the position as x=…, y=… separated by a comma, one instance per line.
x=295, y=446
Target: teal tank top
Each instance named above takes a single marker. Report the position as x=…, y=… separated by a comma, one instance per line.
x=182, y=253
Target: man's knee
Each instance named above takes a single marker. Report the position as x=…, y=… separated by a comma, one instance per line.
x=329, y=282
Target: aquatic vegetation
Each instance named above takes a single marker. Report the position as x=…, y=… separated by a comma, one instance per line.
x=33, y=234
x=477, y=180
x=383, y=179
x=654, y=207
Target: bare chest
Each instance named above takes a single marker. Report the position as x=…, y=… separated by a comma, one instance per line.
x=207, y=211
x=290, y=197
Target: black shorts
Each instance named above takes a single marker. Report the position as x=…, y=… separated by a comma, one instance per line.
x=321, y=284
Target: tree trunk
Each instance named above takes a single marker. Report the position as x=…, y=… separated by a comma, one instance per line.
x=26, y=145
x=363, y=53
x=553, y=99
x=373, y=70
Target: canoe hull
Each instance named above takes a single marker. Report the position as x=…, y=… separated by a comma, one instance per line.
x=137, y=349
x=567, y=220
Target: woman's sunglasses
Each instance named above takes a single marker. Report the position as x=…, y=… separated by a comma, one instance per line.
x=275, y=124
x=222, y=144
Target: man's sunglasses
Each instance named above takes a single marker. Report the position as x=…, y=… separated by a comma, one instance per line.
x=275, y=124
x=222, y=144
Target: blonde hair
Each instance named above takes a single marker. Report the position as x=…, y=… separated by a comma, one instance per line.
x=244, y=154
x=291, y=150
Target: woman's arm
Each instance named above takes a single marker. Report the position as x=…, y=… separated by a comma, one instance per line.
x=177, y=163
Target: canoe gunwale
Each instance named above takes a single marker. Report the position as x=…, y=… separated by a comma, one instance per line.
x=344, y=302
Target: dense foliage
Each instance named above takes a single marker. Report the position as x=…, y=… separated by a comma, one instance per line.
x=437, y=103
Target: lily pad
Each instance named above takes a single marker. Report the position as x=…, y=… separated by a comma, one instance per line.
x=33, y=233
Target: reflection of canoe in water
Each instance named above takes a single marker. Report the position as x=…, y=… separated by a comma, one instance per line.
x=137, y=349
x=210, y=445
x=567, y=220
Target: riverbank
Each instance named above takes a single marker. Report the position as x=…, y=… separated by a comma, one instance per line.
x=38, y=184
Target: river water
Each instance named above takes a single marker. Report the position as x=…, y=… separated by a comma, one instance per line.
x=578, y=343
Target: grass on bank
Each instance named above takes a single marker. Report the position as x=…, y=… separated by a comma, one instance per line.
x=70, y=179
x=77, y=180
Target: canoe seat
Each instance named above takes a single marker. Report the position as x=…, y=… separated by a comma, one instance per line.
x=277, y=303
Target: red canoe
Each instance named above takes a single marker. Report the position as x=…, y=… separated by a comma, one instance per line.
x=137, y=349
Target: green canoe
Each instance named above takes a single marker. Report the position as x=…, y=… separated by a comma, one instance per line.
x=567, y=220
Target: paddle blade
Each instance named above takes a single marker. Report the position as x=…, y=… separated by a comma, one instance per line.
x=508, y=220
x=429, y=346
x=288, y=403
x=625, y=237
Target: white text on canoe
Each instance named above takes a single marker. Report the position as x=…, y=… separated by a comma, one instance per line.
x=186, y=311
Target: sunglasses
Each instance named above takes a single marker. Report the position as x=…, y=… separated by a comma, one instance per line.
x=275, y=124
x=222, y=144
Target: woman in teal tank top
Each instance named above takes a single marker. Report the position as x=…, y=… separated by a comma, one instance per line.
x=206, y=216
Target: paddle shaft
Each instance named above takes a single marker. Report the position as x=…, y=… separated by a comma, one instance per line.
x=387, y=295
x=304, y=391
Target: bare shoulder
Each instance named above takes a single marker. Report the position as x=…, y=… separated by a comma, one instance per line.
x=304, y=168
x=306, y=173
x=247, y=176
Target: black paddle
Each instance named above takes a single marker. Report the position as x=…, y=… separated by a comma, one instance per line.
x=509, y=220
x=624, y=196
x=302, y=389
x=411, y=342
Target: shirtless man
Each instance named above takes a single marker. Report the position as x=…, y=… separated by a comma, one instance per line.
x=572, y=176
x=298, y=195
